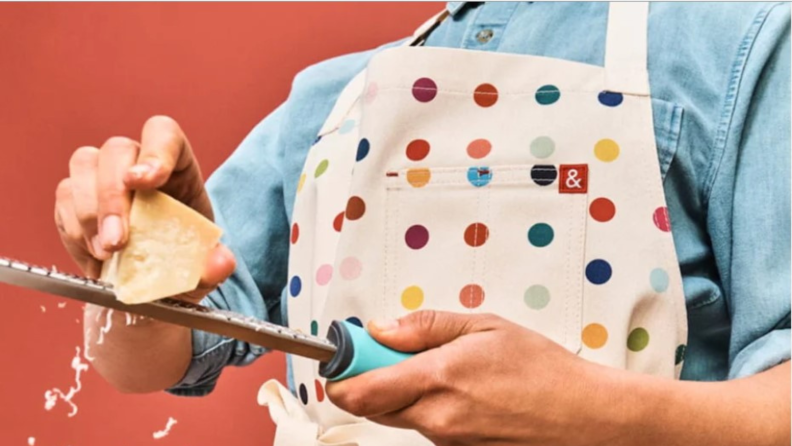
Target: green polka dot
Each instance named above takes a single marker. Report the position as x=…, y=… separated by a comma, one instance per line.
x=680, y=354
x=659, y=280
x=540, y=235
x=542, y=147
x=537, y=297
x=321, y=168
x=638, y=339
x=314, y=328
x=547, y=94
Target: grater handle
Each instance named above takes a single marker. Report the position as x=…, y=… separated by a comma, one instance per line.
x=356, y=352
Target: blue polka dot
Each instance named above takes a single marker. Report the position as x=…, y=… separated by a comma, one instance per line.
x=479, y=176
x=295, y=286
x=659, y=280
x=347, y=126
x=610, y=98
x=303, y=394
x=598, y=271
x=318, y=138
x=363, y=149
x=540, y=235
x=355, y=321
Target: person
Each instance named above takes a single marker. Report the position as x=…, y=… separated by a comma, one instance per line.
x=720, y=83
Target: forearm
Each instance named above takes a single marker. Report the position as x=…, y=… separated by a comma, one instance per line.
x=750, y=411
x=144, y=356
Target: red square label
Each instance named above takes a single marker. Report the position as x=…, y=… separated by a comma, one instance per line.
x=574, y=179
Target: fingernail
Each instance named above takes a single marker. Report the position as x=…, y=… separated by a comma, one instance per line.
x=99, y=250
x=112, y=231
x=385, y=324
x=140, y=170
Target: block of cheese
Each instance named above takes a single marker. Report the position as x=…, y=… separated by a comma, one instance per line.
x=166, y=253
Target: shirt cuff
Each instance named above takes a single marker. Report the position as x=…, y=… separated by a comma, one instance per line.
x=762, y=354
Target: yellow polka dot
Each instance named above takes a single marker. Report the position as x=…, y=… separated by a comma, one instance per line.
x=606, y=150
x=412, y=297
x=419, y=177
x=301, y=183
x=595, y=336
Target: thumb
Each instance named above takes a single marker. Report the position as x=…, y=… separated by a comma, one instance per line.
x=421, y=330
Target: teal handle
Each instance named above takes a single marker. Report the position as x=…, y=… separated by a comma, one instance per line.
x=357, y=353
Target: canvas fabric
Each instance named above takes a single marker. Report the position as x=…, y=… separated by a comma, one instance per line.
x=479, y=182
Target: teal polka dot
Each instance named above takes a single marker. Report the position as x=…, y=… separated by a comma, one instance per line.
x=314, y=328
x=679, y=356
x=542, y=147
x=347, y=126
x=547, y=94
x=540, y=235
x=659, y=280
x=537, y=297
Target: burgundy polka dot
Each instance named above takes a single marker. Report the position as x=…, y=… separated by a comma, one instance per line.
x=416, y=237
x=424, y=89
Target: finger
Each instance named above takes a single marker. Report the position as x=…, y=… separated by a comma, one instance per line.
x=71, y=231
x=422, y=330
x=384, y=390
x=164, y=150
x=220, y=264
x=83, y=167
x=116, y=156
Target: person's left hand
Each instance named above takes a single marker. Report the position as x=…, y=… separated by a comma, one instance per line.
x=482, y=380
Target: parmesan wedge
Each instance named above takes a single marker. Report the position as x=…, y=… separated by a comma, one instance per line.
x=166, y=253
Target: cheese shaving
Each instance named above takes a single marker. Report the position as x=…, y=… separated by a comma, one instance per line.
x=160, y=434
x=31, y=441
x=51, y=396
x=108, y=324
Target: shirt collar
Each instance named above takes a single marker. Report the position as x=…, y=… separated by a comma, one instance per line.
x=454, y=7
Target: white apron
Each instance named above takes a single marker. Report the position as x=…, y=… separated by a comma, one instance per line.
x=475, y=182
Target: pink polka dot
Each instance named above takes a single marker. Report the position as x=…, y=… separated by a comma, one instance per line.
x=660, y=218
x=324, y=274
x=371, y=93
x=351, y=268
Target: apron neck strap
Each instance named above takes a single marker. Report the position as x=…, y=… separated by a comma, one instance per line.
x=625, y=50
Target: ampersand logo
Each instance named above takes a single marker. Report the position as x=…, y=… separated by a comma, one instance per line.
x=574, y=179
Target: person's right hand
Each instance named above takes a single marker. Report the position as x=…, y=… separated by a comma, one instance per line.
x=92, y=205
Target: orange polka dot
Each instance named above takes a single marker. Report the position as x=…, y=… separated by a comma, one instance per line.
x=486, y=95
x=471, y=296
x=417, y=150
x=295, y=235
x=602, y=210
x=595, y=336
x=338, y=221
x=418, y=177
x=476, y=234
x=479, y=148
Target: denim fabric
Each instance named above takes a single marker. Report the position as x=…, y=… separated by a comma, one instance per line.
x=720, y=80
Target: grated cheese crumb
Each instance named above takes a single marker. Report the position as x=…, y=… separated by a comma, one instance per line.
x=31, y=441
x=43, y=308
x=160, y=434
x=61, y=305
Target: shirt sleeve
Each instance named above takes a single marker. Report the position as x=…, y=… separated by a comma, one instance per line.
x=247, y=199
x=749, y=204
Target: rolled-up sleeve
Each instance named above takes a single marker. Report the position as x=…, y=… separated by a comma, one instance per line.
x=749, y=206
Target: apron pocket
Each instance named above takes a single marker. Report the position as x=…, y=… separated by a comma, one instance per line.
x=508, y=240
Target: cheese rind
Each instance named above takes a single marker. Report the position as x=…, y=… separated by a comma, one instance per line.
x=166, y=253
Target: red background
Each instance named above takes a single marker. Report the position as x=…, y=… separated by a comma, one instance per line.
x=76, y=74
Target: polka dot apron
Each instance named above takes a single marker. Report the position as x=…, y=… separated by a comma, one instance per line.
x=480, y=182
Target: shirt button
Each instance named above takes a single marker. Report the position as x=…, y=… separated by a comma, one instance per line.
x=485, y=35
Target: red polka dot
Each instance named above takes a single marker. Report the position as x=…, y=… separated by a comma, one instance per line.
x=602, y=209
x=338, y=221
x=417, y=150
x=660, y=218
x=486, y=95
x=471, y=296
x=319, y=391
x=479, y=148
x=355, y=209
x=295, y=233
x=476, y=234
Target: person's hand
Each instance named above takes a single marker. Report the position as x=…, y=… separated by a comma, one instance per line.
x=481, y=380
x=92, y=205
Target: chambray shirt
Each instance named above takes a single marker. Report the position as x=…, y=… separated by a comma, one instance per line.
x=720, y=81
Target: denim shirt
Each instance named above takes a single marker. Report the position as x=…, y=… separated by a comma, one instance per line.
x=720, y=81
